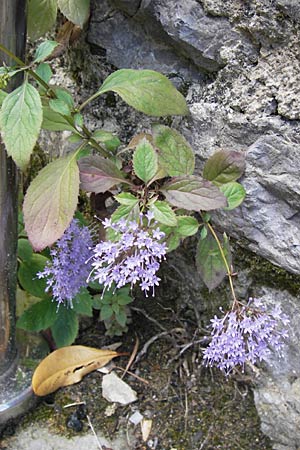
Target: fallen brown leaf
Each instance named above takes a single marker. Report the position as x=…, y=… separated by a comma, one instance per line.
x=68, y=365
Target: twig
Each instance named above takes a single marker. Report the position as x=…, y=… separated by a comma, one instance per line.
x=132, y=356
x=74, y=404
x=161, y=327
x=93, y=431
x=131, y=374
x=206, y=438
x=153, y=339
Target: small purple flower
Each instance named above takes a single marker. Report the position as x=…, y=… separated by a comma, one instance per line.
x=134, y=257
x=67, y=272
x=245, y=334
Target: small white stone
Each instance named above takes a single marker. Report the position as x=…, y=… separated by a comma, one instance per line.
x=136, y=418
x=116, y=390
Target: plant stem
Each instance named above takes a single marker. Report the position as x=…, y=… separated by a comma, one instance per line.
x=87, y=133
x=224, y=260
x=88, y=101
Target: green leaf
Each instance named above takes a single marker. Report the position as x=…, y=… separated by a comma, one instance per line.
x=130, y=212
x=110, y=141
x=163, y=213
x=27, y=275
x=54, y=121
x=83, y=303
x=203, y=233
x=60, y=107
x=147, y=91
x=125, y=198
x=121, y=317
x=44, y=71
x=44, y=50
x=65, y=328
x=39, y=316
x=78, y=118
x=187, y=225
x=175, y=155
x=77, y=11
x=124, y=300
x=50, y=201
x=224, y=166
x=41, y=16
x=98, y=174
x=209, y=261
x=64, y=95
x=235, y=194
x=145, y=161
x=193, y=194
x=25, y=250
x=106, y=312
x=20, y=122
x=3, y=95
x=116, y=308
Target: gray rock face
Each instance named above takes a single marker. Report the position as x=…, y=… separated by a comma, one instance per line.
x=277, y=395
x=242, y=63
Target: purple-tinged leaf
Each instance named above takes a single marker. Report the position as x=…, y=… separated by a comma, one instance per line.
x=175, y=155
x=50, y=201
x=224, y=167
x=192, y=193
x=98, y=174
x=209, y=261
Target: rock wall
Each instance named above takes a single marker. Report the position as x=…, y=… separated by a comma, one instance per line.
x=238, y=61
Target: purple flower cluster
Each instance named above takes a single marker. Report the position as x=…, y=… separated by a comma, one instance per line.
x=67, y=271
x=245, y=334
x=134, y=257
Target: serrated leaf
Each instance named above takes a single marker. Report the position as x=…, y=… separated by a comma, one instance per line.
x=124, y=300
x=147, y=91
x=25, y=250
x=77, y=11
x=83, y=303
x=65, y=328
x=50, y=201
x=44, y=50
x=44, y=71
x=106, y=312
x=67, y=366
x=39, y=316
x=54, y=121
x=20, y=122
x=224, y=166
x=65, y=96
x=235, y=194
x=98, y=174
x=125, y=198
x=110, y=141
x=60, y=107
x=193, y=194
x=27, y=275
x=187, y=225
x=209, y=261
x=175, y=155
x=163, y=213
x=130, y=212
x=121, y=317
x=41, y=16
x=145, y=161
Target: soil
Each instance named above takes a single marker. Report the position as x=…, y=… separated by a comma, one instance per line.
x=191, y=407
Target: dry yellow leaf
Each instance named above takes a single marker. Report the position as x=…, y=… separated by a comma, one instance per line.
x=68, y=365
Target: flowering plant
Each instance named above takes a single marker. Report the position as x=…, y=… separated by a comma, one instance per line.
x=159, y=201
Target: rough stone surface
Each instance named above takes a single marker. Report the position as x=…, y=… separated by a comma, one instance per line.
x=277, y=395
x=250, y=103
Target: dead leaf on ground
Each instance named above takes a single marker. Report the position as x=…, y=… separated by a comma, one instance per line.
x=68, y=365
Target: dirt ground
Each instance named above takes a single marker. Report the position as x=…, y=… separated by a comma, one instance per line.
x=191, y=407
